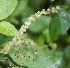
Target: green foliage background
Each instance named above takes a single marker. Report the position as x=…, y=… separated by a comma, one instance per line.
x=51, y=34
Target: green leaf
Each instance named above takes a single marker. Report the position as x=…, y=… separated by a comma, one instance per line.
x=39, y=40
x=6, y=8
x=32, y=57
x=68, y=66
x=4, y=39
x=7, y=29
x=2, y=56
x=47, y=35
x=40, y=24
x=67, y=52
x=22, y=4
x=27, y=12
x=59, y=24
x=37, y=3
x=68, y=18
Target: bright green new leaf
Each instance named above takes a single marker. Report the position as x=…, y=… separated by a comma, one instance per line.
x=7, y=29
x=6, y=8
x=59, y=24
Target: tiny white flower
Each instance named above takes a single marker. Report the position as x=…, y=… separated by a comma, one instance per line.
x=57, y=7
x=52, y=0
x=48, y=10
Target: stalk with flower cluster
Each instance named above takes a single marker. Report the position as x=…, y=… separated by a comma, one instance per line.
x=16, y=40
